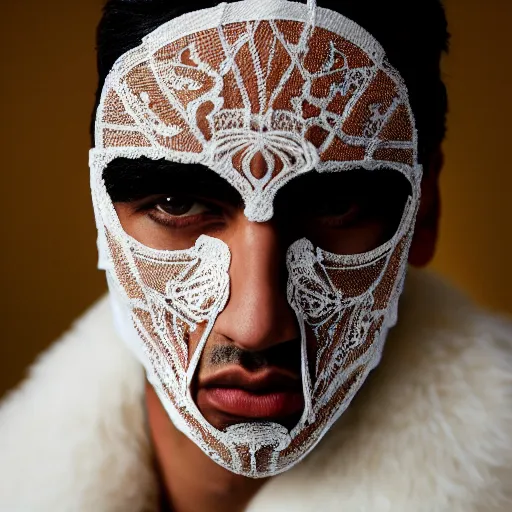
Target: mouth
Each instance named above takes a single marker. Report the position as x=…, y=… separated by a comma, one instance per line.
x=236, y=396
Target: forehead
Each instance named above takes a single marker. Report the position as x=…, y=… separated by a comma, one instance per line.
x=259, y=102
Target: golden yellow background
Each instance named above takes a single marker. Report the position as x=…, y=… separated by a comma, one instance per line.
x=48, y=257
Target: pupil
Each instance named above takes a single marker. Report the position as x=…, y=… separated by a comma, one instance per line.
x=177, y=205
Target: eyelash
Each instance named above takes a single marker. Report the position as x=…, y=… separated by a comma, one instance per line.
x=343, y=220
x=174, y=222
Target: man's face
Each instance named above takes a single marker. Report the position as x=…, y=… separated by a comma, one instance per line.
x=250, y=368
x=260, y=275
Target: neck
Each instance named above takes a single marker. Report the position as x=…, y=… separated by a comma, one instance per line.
x=191, y=479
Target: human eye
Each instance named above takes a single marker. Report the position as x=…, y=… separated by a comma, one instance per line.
x=176, y=206
x=180, y=210
x=342, y=212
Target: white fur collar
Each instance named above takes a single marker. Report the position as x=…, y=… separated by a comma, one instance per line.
x=430, y=431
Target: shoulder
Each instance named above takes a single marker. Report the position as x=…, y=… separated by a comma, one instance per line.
x=76, y=424
x=431, y=429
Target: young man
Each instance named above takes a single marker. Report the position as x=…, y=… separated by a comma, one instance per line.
x=262, y=172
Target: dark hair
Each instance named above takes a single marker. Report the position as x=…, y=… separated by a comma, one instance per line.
x=413, y=33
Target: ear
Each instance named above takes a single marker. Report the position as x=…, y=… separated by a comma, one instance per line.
x=427, y=222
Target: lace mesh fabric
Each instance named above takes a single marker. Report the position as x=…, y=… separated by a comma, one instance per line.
x=260, y=93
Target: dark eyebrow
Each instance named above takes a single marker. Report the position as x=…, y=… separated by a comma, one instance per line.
x=382, y=184
x=128, y=179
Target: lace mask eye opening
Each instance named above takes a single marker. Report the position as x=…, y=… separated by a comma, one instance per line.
x=182, y=201
x=347, y=212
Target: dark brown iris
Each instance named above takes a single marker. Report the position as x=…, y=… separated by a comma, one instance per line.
x=176, y=205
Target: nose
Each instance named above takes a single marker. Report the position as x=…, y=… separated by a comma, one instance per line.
x=257, y=315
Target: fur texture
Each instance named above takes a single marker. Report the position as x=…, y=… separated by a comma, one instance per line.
x=431, y=430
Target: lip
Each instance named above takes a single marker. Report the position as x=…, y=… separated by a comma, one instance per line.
x=244, y=404
x=268, y=394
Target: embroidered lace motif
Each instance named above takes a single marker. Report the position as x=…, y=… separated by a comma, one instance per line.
x=302, y=89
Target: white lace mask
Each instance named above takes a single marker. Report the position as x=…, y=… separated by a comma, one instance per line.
x=307, y=90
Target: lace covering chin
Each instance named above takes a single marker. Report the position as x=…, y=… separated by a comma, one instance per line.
x=260, y=92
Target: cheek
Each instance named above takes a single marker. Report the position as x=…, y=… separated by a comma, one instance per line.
x=140, y=226
x=193, y=339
